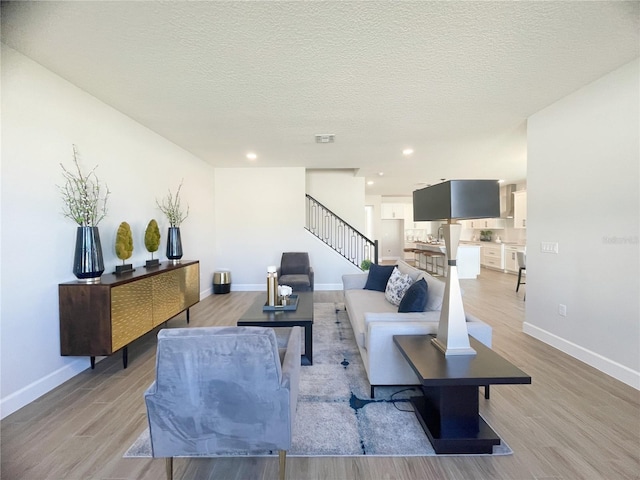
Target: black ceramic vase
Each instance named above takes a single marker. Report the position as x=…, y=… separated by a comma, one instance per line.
x=174, y=244
x=88, y=264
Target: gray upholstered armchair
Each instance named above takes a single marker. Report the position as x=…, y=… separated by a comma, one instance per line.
x=223, y=390
x=296, y=271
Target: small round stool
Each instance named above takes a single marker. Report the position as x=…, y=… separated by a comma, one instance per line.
x=222, y=281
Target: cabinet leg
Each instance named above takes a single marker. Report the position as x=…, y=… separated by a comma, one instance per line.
x=486, y=392
x=93, y=363
x=187, y=316
x=125, y=357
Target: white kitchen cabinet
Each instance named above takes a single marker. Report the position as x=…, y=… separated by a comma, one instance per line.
x=520, y=209
x=486, y=224
x=511, y=258
x=492, y=256
x=392, y=211
x=408, y=216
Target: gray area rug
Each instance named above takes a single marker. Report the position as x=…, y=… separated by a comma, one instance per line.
x=335, y=415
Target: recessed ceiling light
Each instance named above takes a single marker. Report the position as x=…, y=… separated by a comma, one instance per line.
x=501, y=181
x=370, y=182
x=251, y=156
x=407, y=151
x=380, y=174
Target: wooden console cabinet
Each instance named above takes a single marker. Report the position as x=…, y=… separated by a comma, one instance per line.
x=101, y=318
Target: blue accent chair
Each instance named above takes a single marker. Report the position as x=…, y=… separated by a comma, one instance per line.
x=221, y=391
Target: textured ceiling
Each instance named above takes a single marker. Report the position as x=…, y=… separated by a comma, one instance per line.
x=453, y=80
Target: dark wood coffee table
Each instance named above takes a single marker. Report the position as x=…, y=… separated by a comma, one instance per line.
x=449, y=409
x=302, y=316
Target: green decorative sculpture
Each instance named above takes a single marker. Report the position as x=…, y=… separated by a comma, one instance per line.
x=152, y=242
x=124, y=247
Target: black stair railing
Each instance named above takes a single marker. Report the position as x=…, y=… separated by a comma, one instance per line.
x=338, y=234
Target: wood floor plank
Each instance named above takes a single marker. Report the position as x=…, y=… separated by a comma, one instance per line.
x=572, y=422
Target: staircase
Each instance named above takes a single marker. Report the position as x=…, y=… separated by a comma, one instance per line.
x=338, y=234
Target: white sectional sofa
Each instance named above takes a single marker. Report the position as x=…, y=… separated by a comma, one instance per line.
x=375, y=321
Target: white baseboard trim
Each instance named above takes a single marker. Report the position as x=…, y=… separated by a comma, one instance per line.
x=259, y=287
x=605, y=365
x=35, y=390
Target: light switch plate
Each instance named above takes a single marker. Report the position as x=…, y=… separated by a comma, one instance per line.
x=549, y=247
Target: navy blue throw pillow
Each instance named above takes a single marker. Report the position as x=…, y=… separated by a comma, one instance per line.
x=378, y=277
x=415, y=299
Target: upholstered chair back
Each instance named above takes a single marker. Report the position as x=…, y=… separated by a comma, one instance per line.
x=221, y=390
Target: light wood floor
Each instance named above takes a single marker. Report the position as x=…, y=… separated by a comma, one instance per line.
x=573, y=422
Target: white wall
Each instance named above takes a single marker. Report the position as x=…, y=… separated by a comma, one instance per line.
x=582, y=182
x=341, y=192
x=42, y=116
x=260, y=213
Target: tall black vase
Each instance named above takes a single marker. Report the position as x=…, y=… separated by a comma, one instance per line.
x=174, y=244
x=88, y=264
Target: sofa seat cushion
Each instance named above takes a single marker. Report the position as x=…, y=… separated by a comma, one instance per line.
x=298, y=282
x=360, y=301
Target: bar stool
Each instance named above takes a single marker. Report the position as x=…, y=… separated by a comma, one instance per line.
x=436, y=257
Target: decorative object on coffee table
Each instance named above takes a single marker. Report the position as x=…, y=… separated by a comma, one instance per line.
x=172, y=208
x=85, y=202
x=272, y=285
x=152, y=242
x=124, y=248
x=302, y=316
x=454, y=200
x=284, y=291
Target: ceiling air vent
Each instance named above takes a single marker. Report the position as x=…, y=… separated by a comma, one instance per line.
x=325, y=138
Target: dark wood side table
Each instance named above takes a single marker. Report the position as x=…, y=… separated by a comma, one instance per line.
x=449, y=409
x=302, y=317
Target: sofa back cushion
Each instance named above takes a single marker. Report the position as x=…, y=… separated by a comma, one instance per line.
x=415, y=298
x=378, y=277
x=404, y=267
x=436, y=291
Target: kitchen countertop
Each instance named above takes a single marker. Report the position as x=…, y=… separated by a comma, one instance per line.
x=440, y=247
x=506, y=244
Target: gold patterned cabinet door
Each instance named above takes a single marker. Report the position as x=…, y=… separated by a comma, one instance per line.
x=174, y=292
x=191, y=285
x=131, y=312
x=166, y=296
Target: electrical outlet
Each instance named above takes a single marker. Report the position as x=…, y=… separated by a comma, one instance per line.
x=549, y=247
x=562, y=310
